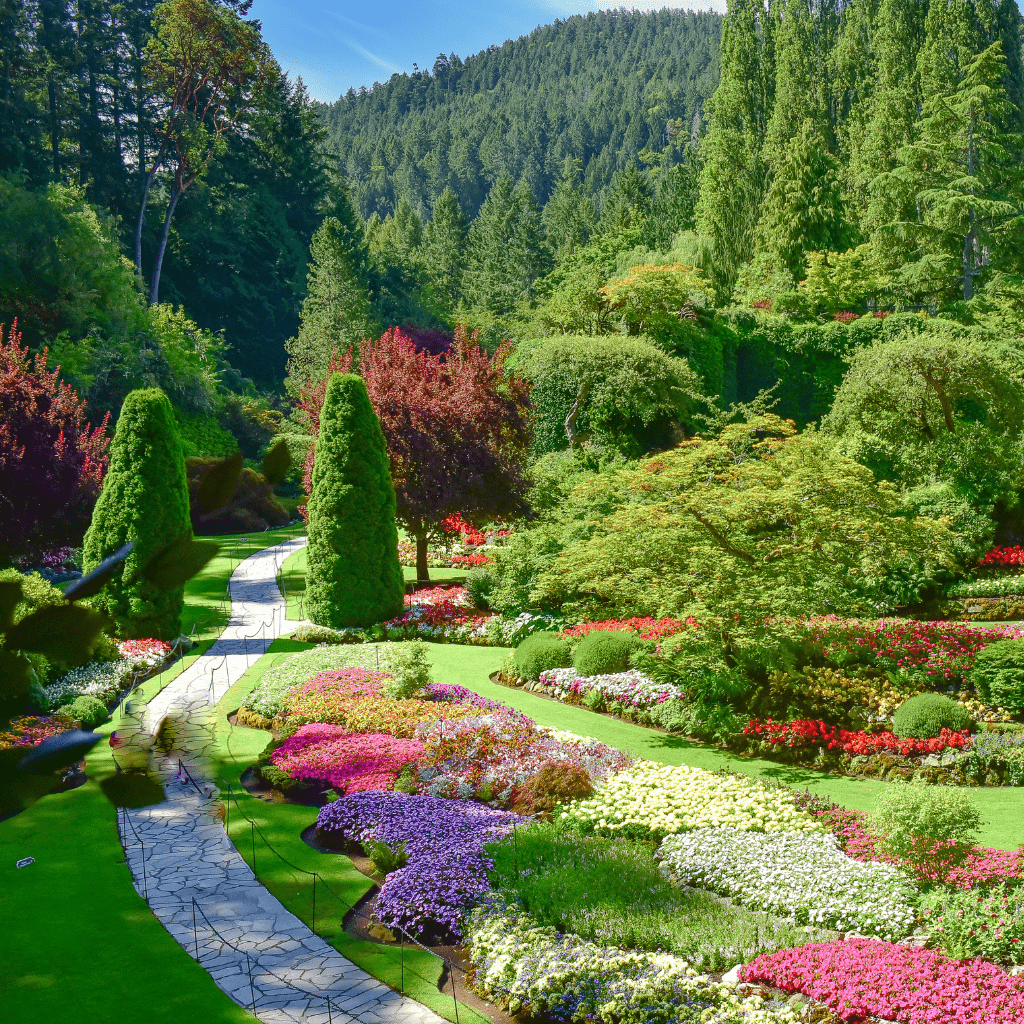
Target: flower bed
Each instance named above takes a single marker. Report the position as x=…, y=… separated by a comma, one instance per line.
x=1002, y=586
x=351, y=762
x=1003, y=557
x=645, y=627
x=968, y=923
x=445, y=839
x=805, y=736
x=631, y=688
x=863, y=978
x=105, y=680
x=653, y=801
x=984, y=866
x=807, y=877
x=539, y=972
x=30, y=731
x=152, y=651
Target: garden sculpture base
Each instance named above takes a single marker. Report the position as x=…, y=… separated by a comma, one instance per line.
x=193, y=878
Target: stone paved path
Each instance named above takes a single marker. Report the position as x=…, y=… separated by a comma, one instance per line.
x=178, y=851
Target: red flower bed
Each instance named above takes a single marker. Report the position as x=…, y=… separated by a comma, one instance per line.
x=1004, y=557
x=648, y=628
x=814, y=733
x=983, y=866
x=471, y=561
x=863, y=978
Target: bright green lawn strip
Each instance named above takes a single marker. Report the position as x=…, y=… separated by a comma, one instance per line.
x=292, y=580
x=282, y=824
x=1003, y=808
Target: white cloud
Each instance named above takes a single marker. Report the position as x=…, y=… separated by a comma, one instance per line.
x=379, y=61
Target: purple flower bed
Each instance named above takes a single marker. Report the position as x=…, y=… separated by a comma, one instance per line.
x=445, y=839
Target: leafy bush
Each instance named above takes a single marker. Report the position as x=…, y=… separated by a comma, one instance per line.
x=927, y=827
x=90, y=711
x=998, y=674
x=923, y=717
x=260, y=511
x=386, y=858
x=354, y=576
x=556, y=783
x=602, y=653
x=479, y=584
x=540, y=652
x=145, y=499
x=968, y=924
x=409, y=668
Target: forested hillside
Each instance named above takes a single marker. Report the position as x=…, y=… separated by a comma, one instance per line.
x=605, y=89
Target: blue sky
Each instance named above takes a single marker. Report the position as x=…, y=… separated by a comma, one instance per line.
x=334, y=44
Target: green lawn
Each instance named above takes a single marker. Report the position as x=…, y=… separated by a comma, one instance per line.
x=292, y=581
x=78, y=943
x=282, y=825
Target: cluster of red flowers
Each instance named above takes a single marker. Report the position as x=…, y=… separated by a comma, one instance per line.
x=471, y=561
x=471, y=536
x=845, y=317
x=1004, y=557
x=812, y=733
x=645, y=626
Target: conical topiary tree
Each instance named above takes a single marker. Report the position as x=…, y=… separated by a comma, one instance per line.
x=354, y=577
x=144, y=499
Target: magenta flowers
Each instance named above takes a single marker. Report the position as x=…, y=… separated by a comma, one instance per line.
x=863, y=978
x=351, y=762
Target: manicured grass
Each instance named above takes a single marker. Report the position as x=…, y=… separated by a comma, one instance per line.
x=282, y=825
x=292, y=581
x=1003, y=809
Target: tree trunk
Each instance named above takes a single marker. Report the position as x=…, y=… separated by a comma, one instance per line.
x=422, y=569
x=154, y=288
x=54, y=126
x=146, y=185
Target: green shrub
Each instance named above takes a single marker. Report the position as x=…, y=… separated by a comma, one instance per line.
x=145, y=499
x=540, y=652
x=603, y=652
x=998, y=674
x=671, y=714
x=967, y=924
x=259, y=509
x=409, y=668
x=926, y=715
x=386, y=858
x=90, y=711
x=326, y=635
x=354, y=576
x=930, y=828
x=594, y=700
x=479, y=584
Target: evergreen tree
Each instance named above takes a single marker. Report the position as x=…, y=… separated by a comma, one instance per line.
x=675, y=200
x=628, y=202
x=443, y=255
x=507, y=252
x=569, y=213
x=145, y=500
x=354, y=576
x=337, y=311
x=952, y=37
x=967, y=179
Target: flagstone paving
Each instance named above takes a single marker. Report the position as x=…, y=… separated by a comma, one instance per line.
x=190, y=873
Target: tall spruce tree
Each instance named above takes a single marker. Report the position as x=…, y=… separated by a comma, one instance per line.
x=145, y=500
x=336, y=312
x=628, y=201
x=568, y=216
x=354, y=576
x=443, y=254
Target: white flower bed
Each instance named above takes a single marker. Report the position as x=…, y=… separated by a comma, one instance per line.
x=104, y=680
x=567, y=978
x=632, y=687
x=653, y=800
x=806, y=877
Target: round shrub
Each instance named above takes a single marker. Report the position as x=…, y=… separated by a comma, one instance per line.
x=540, y=652
x=998, y=674
x=90, y=711
x=603, y=652
x=556, y=783
x=926, y=715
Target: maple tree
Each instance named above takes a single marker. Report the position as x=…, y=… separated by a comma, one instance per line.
x=456, y=424
x=51, y=460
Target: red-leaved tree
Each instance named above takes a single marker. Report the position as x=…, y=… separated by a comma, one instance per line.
x=457, y=427
x=51, y=461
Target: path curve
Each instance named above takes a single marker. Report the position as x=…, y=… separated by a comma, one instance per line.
x=180, y=855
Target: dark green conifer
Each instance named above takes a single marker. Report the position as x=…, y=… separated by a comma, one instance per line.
x=144, y=499
x=354, y=576
x=443, y=254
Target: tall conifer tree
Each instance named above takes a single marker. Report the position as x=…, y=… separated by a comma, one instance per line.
x=443, y=254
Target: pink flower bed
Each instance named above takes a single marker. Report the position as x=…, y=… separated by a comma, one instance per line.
x=438, y=595
x=985, y=866
x=27, y=732
x=864, y=978
x=352, y=762
x=151, y=649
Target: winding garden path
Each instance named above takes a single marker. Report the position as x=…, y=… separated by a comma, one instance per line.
x=193, y=878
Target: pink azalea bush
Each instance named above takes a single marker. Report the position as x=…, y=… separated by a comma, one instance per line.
x=864, y=978
x=351, y=762
x=984, y=866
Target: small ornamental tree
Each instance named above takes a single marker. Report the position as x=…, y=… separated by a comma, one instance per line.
x=144, y=499
x=51, y=460
x=457, y=430
x=354, y=577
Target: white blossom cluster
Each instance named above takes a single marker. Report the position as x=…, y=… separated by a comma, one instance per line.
x=806, y=877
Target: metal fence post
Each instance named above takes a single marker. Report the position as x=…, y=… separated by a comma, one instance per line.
x=252, y=990
x=314, y=902
x=195, y=933
x=253, y=831
x=451, y=974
